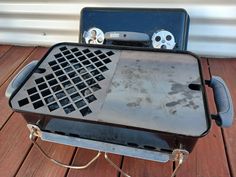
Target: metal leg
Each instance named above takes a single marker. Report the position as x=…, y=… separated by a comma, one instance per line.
x=33, y=135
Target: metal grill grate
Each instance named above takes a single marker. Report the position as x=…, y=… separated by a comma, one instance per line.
x=73, y=81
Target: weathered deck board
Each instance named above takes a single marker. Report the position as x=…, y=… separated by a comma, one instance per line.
x=14, y=140
x=5, y=109
x=4, y=49
x=36, y=168
x=227, y=70
x=37, y=165
x=209, y=150
x=11, y=60
x=14, y=145
x=144, y=168
x=100, y=168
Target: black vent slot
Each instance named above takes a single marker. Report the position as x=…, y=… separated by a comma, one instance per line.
x=102, y=56
x=110, y=53
x=95, y=87
x=91, y=98
x=49, y=99
x=94, y=59
x=80, y=103
x=38, y=81
x=32, y=90
x=58, y=55
x=69, y=109
x=53, y=106
x=60, y=95
x=75, y=96
x=66, y=52
x=52, y=82
x=74, y=50
x=49, y=76
x=86, y=50
x=51, y=63
x=107, y=60
x=85, y=111
x=23, y=102
x=97, y=52
x=34, y=97
x=100, y=77
x=38, y=104
x=64, y=102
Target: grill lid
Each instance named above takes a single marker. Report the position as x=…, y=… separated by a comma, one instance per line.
x=143, y=89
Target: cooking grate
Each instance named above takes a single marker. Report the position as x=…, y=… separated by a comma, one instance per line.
x=75, y=77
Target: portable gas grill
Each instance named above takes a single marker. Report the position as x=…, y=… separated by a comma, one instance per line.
x=137, y=102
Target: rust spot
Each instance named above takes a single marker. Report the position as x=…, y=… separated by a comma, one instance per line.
x=177, y=88
x=182, y=89
x=109, y=90
x=148, y=99
x=115, y=84
x=156, y=117
x=136, y=103
x=191, y=104
x=143, y=90
x=173, y=111
x=174, y=103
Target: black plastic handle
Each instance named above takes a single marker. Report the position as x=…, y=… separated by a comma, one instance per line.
x=20, y=77
x=127, y=38
x=223, y=101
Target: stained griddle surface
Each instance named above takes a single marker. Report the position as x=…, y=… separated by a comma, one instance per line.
x=152, y=91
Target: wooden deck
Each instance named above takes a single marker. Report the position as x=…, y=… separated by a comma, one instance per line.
x=213, y=156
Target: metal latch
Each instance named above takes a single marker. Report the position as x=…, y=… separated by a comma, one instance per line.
x=34, y=131
x=178, y=156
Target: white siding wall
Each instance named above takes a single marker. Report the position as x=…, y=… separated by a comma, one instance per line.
x=212, y=27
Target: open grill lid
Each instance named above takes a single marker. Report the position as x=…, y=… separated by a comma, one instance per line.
x=151, y=90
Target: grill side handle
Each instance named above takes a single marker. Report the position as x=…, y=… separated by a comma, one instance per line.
x=127, y=36
x=20, y=77
x=223, y=101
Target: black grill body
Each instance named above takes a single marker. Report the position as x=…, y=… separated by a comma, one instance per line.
x=70, y=92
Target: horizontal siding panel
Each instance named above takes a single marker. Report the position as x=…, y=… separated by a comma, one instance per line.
x=42, y=8
x=208, y=48
x=215, y=30
x=36, y=39
x=213, y=24
x=43, y=24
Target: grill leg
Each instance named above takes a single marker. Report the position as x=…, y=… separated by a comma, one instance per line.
x=35, y=134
